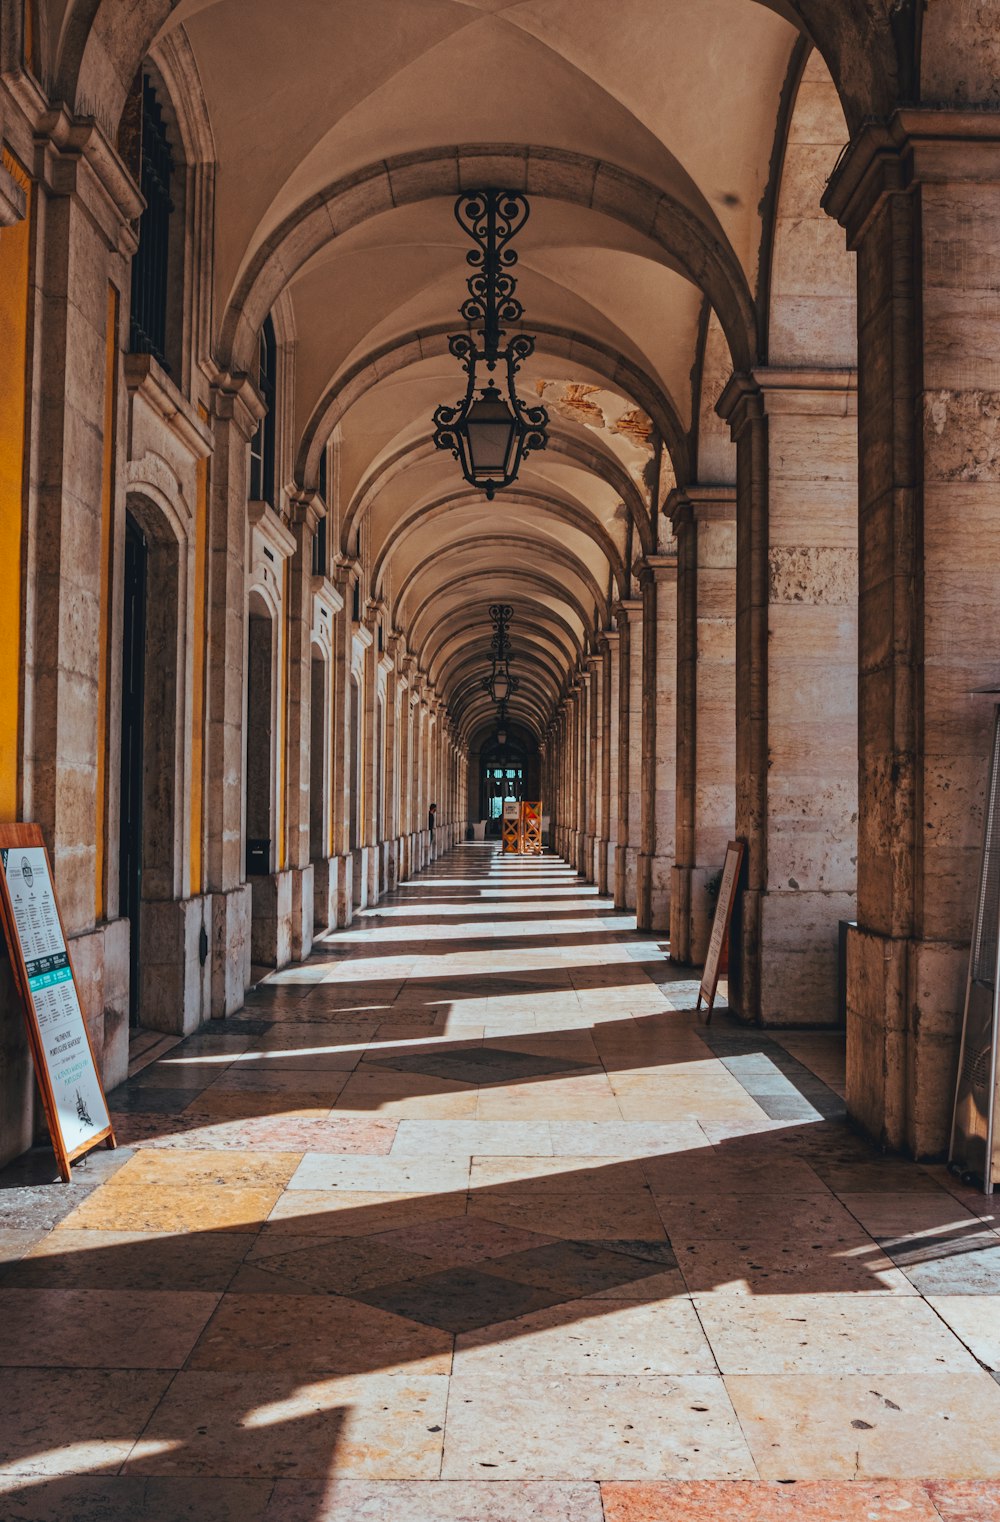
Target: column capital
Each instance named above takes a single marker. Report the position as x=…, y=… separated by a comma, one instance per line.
x=306, y=508
x=701, y=502
x=627, y=611
x=741, y=402
x=808, y=392
x=662, y=567
x=914, y=146
x=235, y=399
x=74, y=157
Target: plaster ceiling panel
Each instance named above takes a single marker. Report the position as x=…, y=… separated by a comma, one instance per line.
x=277, y=77
x=703, y=76
x=405, y=270
x=657, y=309
x=447, y=92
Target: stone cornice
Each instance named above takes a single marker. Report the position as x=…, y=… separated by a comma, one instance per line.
x=914, y=146
x=307, y=508
x=236, y=399
x=273, y=533
x=740, y=402
x=810, y=391
x=145, y=378
x=64, y=146
x=701, y=502
x=662, y=566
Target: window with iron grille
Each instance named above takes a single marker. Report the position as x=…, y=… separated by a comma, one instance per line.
x=148, y=325
x=319, y=538
x=262, y=443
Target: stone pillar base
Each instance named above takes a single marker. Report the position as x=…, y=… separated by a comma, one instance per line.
x=345, y=890
x=600, y=867
x=271, y=923
x=620, y=876
x=326, y=879
x=232, y=913
x=796, y=954
x=175, y=979
x=373, y=866
x=101, y=963
x=660, y=868
x=652, y=889
x=691, y=914
x=680, y=916
x=359, y=879
x=303, y=911
x=904, y=1015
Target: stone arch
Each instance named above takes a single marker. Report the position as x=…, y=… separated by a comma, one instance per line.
x=870, y=49
x=810, y=282
x=563, y=443
x=689, y=246
x=566, y=512
x=510, y=541
x=430, y=343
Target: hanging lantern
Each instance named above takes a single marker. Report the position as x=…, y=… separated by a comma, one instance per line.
x=500, y=684
x=489, y=432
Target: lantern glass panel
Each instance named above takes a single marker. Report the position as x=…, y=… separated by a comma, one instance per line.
x=491, y=430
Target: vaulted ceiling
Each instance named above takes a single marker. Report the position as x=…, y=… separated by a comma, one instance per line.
x=643, y=132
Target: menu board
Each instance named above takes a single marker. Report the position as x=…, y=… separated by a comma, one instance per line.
x=720, y=925
x=74, y=1101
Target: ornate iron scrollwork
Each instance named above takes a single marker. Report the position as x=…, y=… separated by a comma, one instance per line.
x=490, y=434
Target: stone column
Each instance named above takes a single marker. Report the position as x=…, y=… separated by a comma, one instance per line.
x=83, y=204
x=629, y=844
x=704, y=521
x=298, y=744
x=341, y=741
x=611, y=643
x=796, y=652
x=372, y=762
x=236, y=411
x=583, y=770
x=594, y=737
x=920, y=199
x=659, y=731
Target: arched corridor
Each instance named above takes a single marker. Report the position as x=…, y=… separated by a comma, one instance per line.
x=463, y=464
x=410, y=1236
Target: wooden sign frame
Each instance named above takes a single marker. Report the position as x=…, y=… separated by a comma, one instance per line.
x=719, y=939
x=12, y=838
x=531, y=828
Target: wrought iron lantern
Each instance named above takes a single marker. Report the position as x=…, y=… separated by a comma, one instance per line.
x=500, y=684
x=491, y=430
x=502, y=725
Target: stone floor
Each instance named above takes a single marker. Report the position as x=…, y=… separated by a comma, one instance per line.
x=471, y=1219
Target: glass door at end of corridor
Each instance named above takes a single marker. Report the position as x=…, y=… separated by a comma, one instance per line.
x=500, y=784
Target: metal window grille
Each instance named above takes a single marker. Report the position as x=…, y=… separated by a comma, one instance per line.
x=148, y=323
x=262, y=443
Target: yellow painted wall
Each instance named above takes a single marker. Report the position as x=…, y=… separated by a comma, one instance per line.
x=107, y=515
x=15, y=256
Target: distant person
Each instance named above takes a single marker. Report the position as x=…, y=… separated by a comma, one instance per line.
x=430, y=817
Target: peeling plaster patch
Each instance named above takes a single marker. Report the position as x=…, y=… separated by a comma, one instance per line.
x=625, y=428
x=963, y=443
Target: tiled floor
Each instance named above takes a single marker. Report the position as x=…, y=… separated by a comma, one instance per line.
x=472, y=1219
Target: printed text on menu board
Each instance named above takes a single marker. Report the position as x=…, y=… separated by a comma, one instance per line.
x=76, y=1088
